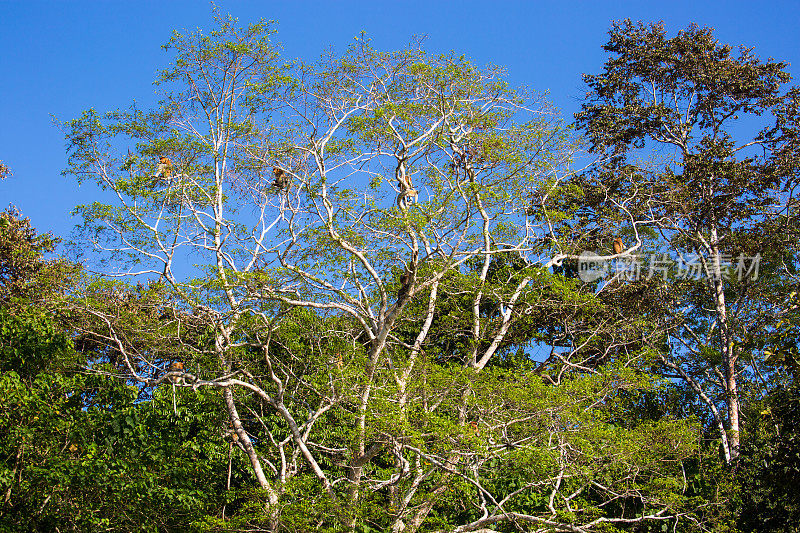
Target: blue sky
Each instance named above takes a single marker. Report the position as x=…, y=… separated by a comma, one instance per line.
x=60, y=58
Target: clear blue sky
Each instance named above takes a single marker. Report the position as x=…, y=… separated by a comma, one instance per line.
x=59, y=58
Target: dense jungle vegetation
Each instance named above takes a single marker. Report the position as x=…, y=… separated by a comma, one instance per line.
x=389, y=291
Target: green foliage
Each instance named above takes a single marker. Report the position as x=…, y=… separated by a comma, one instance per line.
x=25, y=276
x=768, y=472
x=80, y=451
x=377, y=363
x=707, y=190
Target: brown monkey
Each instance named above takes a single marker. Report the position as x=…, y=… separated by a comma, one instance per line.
x=336, y=359
x=406, y=197
x=407, y=190
x=164, y=170
x=176, y=366
x=404, y=182
x=281, y=179
x=618, y=246
x=406, y=281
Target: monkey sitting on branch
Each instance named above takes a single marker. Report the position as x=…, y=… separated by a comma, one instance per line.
x=163, y=171
x=282, y=179
x=408, y=193
x=406, y=283
x=619, y=246
x=177, y=366
x=407, y=197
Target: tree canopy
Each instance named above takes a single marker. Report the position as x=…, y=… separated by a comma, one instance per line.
x=352, y=294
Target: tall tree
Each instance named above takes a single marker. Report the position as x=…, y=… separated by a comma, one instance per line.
x=332, y=208
x=717, y=192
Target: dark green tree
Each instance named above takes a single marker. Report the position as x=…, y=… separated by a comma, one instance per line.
x=715, y=192
x=768, y=470
x=82, y=451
